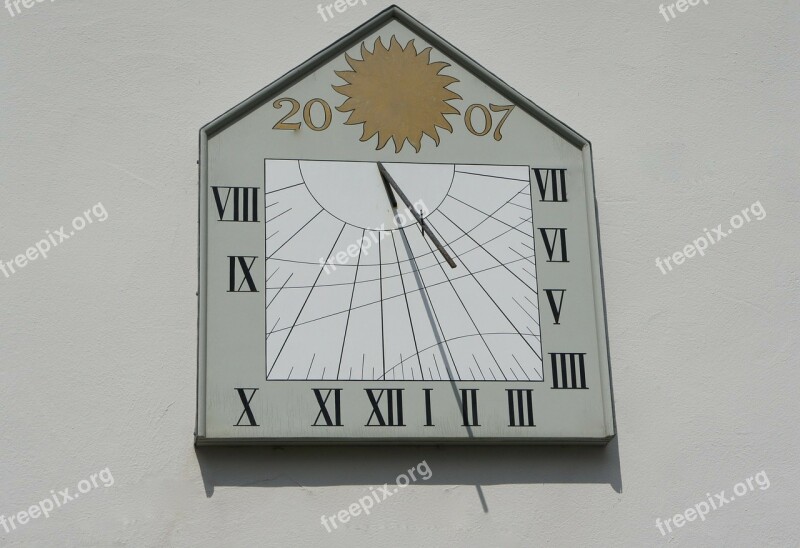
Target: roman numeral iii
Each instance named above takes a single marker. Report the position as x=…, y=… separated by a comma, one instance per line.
x=552, y=184
x=520, y=407
x=235, y=203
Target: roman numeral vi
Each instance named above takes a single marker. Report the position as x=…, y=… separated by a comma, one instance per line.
x=557, y=247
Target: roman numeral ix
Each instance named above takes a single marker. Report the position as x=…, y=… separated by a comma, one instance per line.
x=238, y=204
x=240, y=274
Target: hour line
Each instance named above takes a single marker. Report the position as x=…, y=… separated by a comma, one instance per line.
x=350, y=308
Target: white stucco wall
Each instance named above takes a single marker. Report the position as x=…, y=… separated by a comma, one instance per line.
x=691, y=121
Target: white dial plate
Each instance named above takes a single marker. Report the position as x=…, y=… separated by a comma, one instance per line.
x=353, y=294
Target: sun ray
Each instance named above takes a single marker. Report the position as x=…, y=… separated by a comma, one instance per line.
x=397, y=94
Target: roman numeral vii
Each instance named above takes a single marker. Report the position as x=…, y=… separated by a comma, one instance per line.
x=552, y=184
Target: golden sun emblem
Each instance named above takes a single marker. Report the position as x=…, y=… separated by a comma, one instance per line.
x=397, y=93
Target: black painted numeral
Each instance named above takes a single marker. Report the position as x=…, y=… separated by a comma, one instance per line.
x=240, y=203
x=325, y=411
x=240, y=274
x=520, y=407
x=555, y=308
x=553, y=186
x=568, y=370
x=428, y=411
x=387, y=407
x=469, y=406
x=559, y=240
x=251, y=419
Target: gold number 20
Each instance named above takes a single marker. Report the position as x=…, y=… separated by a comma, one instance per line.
x=283, y=124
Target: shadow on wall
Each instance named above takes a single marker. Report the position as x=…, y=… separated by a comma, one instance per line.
x=292, y=466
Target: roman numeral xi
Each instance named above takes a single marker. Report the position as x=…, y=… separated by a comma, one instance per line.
x=330, y=413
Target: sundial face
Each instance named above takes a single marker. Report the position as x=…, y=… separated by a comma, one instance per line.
x=395, y=246
x=394, y=310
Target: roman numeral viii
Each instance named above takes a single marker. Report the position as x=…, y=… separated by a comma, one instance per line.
x=387, y=407
x=236, y=203
x=568, y=370
x=552, y=184
x=557, y=246
x=240, y=274
x=520, y=407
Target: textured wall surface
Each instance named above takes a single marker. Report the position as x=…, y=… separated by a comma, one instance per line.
x=691, y=120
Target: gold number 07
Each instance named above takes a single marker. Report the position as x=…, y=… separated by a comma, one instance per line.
x=283, y=124
x=487, y=119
